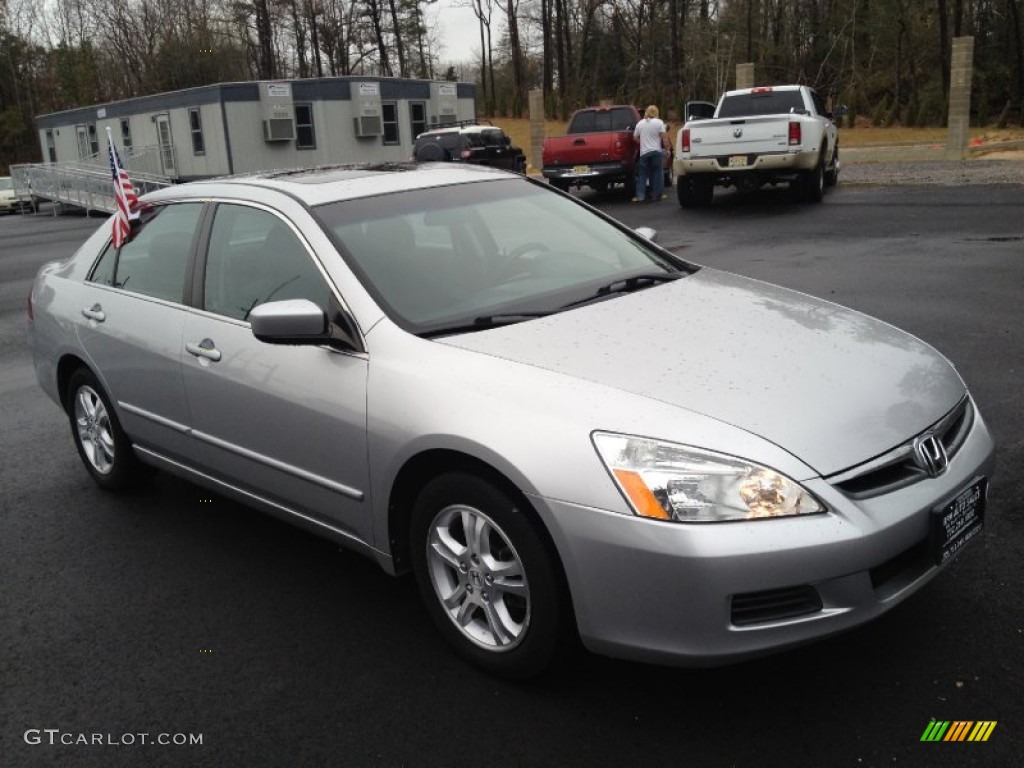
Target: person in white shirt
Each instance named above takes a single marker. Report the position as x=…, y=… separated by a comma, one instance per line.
x=651, y=132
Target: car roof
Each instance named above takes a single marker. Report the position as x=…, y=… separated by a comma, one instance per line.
x=326, y=184
x=475, y=128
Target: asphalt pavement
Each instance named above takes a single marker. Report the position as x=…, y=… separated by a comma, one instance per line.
x=173, y=613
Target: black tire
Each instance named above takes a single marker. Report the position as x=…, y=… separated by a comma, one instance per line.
x=431, y=153
x=812, y=183
x=832, y=172
x=694, y=192
x=102, y=445
x=509, y=626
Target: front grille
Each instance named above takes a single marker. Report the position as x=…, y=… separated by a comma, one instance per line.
x=774, y=605
x=899, y=468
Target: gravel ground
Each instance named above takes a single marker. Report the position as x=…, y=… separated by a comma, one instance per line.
x=937, y=172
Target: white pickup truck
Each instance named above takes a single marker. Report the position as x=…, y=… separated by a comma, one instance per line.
x=758, y=136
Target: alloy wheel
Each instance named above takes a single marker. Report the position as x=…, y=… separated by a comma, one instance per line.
x=478, y=577
x=94, y=430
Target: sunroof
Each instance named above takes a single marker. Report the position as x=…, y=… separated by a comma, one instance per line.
x=331, y=173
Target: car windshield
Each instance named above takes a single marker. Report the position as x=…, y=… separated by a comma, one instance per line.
x=474, y=255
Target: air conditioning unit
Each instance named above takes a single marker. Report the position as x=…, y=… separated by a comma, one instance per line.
x=279, y=129
x=369, y=125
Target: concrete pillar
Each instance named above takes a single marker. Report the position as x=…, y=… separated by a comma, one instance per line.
x=961, y=70
x=536, y=128
x=744, y=76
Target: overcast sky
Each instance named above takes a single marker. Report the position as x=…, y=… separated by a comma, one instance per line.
x=458, y=31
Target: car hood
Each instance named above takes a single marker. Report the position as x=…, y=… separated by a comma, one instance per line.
x=831, y=386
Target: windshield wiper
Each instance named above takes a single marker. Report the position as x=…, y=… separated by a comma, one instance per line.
x=483, y=323
x=627, y=285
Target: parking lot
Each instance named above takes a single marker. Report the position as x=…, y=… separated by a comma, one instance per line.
x=172, y=611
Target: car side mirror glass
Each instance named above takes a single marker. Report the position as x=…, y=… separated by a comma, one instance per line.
x=295, y=321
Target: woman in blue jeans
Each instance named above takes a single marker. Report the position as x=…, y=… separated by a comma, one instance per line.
x=651, y=133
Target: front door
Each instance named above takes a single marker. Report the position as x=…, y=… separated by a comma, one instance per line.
x=286, y=422
x=84, y=148
x=163, y=131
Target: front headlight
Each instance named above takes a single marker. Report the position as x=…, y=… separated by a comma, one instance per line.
x=668, y=481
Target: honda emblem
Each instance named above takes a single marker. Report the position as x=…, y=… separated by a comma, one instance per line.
x=930, y=455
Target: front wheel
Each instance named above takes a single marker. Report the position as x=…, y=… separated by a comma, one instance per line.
x=486, y=576
x=102, y=445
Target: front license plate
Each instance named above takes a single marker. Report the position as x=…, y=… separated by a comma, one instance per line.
x=737, y=161
x=958, y=521
x=580, y=170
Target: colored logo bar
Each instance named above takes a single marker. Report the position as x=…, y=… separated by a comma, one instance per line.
x=958, y=730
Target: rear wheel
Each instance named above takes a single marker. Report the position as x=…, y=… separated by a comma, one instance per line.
x=832, y=172
x=102, y=445
x=486, y=576
x=694, y=191
x=812, y=183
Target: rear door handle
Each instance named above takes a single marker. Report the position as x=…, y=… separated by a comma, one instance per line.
x=578, y=142
x=205, y=348
x=95, y=312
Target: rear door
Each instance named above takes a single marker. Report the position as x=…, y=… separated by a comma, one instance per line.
x=131, y=320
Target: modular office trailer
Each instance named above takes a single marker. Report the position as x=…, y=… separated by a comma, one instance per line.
x=230, y=128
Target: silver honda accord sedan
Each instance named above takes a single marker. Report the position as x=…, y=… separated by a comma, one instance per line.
x=560, y=428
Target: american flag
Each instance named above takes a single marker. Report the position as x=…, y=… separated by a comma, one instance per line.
x=124, y=194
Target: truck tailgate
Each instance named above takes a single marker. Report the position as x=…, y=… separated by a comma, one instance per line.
x=740, y=135
x=585, y=148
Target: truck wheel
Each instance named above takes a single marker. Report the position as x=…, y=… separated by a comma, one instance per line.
x=832, y=172
x=694, y=192
x=812, y=183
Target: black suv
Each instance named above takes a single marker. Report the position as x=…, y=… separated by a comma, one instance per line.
x=469, y=143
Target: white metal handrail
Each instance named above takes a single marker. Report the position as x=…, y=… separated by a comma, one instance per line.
x=81, y=183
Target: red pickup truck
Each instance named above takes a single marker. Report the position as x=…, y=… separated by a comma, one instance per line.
x=598, y=150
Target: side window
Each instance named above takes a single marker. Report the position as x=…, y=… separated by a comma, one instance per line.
x=155, y=260
x=305, y=133
x=418, y=117
x=195, y=124
x=390, y=111
x=253, y=258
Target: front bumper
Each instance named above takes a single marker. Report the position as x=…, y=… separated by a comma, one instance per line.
x=671, y=593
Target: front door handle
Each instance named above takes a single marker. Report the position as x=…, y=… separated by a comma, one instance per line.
x=95, y=312
x=205, y=348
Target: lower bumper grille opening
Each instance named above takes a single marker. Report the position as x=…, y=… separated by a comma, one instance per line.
x=774, y=605
x=908, y=564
